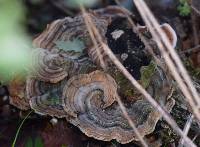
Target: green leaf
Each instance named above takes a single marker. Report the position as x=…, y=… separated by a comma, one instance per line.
x=184, y=8
x=29, y=142
x=38, y=142
x=19, y=128
x=75, y=45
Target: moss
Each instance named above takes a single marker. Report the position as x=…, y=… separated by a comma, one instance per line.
x=164, y=132
x=125, y=87
x=146, y=74
x=129, y=93
x=194, y=71
x=168, y=136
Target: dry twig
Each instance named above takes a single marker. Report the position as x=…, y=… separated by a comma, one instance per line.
x=138, y=86
x=175, y=65
x=190, y=50
x=92, y=29
x=197, y=11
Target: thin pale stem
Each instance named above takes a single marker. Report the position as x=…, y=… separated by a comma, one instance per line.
x=90, y=26
x=186, y=130
x=168, y=52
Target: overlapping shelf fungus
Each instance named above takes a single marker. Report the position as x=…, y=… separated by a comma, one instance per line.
x=68, y=81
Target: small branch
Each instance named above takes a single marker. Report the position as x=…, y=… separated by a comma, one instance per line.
x=194, y=29
x=197, y=11
x=94, y=32
x=191, y=50
x=113, y=58
x=195, y=137
x=171, y=58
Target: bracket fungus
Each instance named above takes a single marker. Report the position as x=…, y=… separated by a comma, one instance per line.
x=90, y=99
x=68, y=29
x=83, y=88
x=168, y=31
x=80, y=91
x=48, y=66
x=45, y=98
x=44, y=86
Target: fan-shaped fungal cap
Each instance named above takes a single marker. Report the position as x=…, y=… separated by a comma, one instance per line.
x=68, y=29
x=168, y=30
x=111, y=12
x=170, y=33
x=81, y=88
x=48, y=67
x=45, y=98
x=86, y=98
x=98, y=57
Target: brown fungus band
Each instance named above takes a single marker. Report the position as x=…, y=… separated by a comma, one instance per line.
x=45, y=98
x=91, y=101
x=49, y=67
x=68, y=29
x=97, y=85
